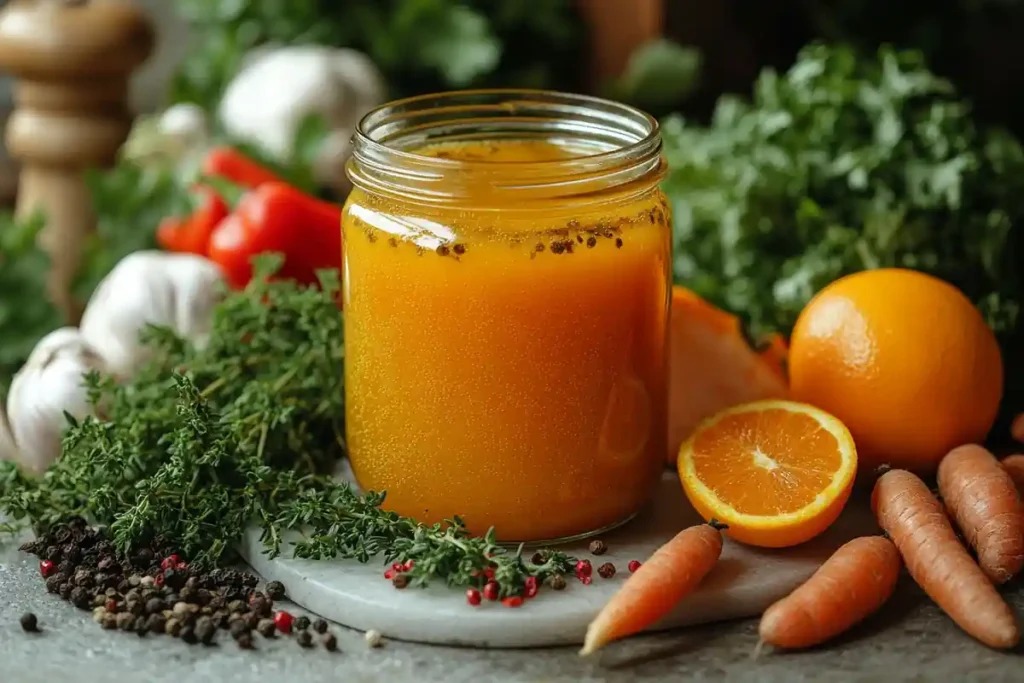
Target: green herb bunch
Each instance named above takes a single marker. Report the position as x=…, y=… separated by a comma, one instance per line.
x=247, y=429
x=843, y=164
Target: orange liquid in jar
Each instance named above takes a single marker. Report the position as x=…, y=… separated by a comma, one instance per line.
x=509, y=366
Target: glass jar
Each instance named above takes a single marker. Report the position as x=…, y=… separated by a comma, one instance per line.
x=506, y=294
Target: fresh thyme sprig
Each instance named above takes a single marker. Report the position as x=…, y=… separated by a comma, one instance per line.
x=205, y=441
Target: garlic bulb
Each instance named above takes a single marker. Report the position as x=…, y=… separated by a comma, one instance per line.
x=150, y=288
x=8, y=449
x=186, y=123
x=277, y=88
x=49, y=384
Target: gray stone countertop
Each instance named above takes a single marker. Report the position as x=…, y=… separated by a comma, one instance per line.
x=910, y=640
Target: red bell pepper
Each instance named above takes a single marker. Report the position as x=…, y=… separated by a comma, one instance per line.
x=191, y=234
x=228, y=163
x=276, y=217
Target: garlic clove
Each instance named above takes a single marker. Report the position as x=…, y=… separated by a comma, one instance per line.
x=135, y=293
x=199, y=286
x=178, y=291
x=50, y=384
x=8, y=449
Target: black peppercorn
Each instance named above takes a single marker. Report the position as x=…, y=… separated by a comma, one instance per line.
x=155, y=605
x=125, y=621
x=591, y=242
x=606, y=570
x=302, y=623
x=80, y=598
x=598, y=547
x=71, y=553
x=320, y=626
x=400, y=581
x=29, y=622
x=140, y=627
x=52, y=553
x=266, y=628
x=66, y=568
x=330, y=642
x=304, y=639
x=217, y=602
x=53, y=584
x=537, y=559
x=259, y=605
x=203, y=596
x=557, y=582
x=188, y=634
x=618, y=242
x=65, y=590
x=244, y=641
x=459, y=249
x=442, y=250
x=136, y=607
x=156, y=623
x=32, y=547
x=275, y=590
x=238, y=627
x=205, y=630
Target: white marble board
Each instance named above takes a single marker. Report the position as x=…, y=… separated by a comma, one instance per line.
x=743, y=584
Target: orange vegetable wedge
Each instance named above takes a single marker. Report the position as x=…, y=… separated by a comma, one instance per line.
x=778, y=473
x=712, y=366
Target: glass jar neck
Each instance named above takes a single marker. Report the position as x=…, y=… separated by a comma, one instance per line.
x=621, y=155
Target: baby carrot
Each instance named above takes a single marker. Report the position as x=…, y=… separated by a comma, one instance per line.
x=651, y=592
x=852, y=584
x=984, y=502
x=917, y=524
x=1014, y=466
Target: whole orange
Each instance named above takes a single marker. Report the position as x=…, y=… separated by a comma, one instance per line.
x=904, y=359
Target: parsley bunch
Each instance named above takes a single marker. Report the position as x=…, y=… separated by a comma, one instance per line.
x=205, y=441
x=846, y=163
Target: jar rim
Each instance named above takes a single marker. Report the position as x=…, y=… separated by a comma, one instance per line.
x=383, y=160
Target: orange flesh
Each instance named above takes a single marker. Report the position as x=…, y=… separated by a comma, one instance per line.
x=514, y=387
x=792, y=459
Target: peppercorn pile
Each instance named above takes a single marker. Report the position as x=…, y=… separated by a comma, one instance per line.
x=154, y=591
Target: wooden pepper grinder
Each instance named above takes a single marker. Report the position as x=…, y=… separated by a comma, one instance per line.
x=72, y=60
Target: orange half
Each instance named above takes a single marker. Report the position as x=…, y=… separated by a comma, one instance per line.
x=778, y=473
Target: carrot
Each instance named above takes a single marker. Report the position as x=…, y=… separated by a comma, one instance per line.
x=1014, y=466
x=917, y=524
x=1017, y=428
x=852, y=584
x=670, y=574
x=984, y=502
